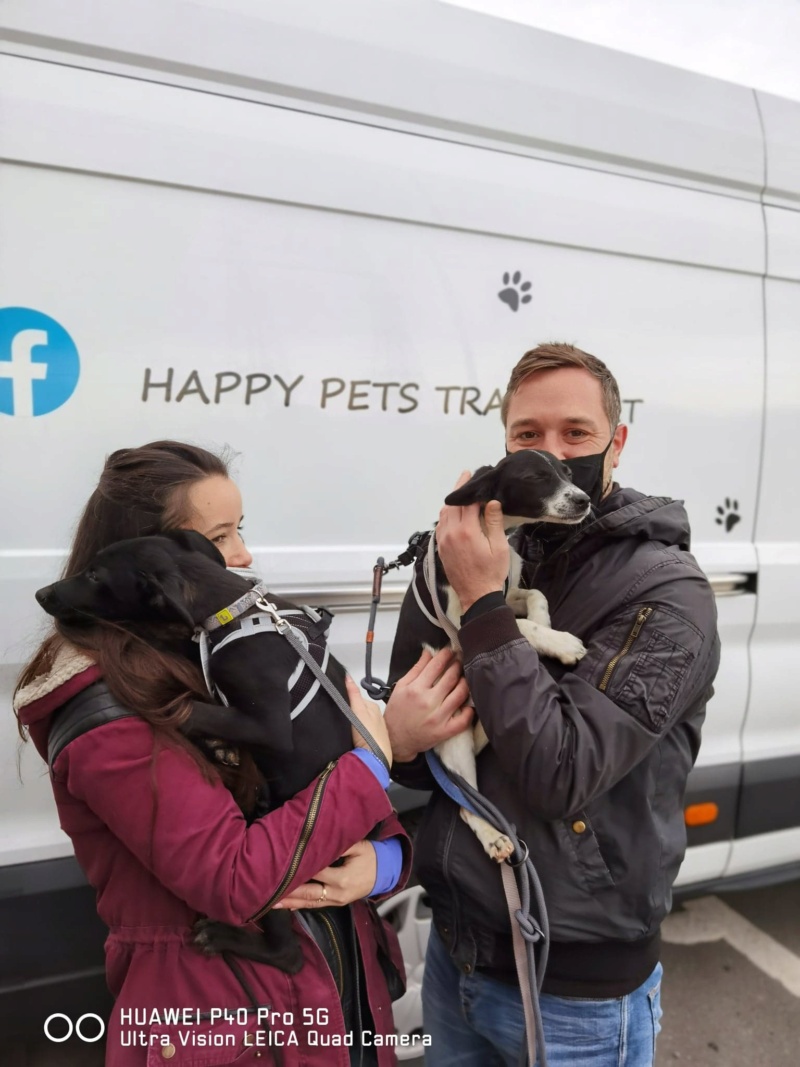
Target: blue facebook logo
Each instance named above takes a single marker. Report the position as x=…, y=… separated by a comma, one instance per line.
x=39, y=363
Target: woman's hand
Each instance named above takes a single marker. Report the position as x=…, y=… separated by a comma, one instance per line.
x=335, y=886
x=428, y=705
x=371, y=717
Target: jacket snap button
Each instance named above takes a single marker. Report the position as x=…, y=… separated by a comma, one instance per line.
x=467, y=968
x=579, y=826
x=168, y=1051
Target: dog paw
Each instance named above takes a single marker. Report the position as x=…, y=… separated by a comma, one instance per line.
x=222, y=752
x=564, y=647
x=555, y=643
x=496, y=845
x=203, y=936
x=499, y=849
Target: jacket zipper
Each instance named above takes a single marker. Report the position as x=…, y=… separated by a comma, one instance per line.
x=641, y=619
x=305, y=835
x=339, y=977
x=446, y=869
x=357, y=980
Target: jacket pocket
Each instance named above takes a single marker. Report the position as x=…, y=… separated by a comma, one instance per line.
x=646, y=674
x=206, y=1044
x=579, y=838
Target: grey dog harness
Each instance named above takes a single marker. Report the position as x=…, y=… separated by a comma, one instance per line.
x=303, y=633
x=303, y=623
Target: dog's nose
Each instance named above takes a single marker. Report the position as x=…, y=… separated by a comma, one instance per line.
x=578, y=497
x=44, y=596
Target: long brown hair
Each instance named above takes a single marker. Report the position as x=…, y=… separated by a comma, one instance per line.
x=142, y=491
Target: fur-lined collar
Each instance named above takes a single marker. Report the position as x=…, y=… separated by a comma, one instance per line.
x=69, y=662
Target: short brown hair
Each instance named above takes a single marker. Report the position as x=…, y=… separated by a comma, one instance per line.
x=555, y=355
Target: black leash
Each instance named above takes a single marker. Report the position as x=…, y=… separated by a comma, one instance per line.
x=377, y=689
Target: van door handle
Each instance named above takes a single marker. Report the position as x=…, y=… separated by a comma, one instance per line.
x=732, y=584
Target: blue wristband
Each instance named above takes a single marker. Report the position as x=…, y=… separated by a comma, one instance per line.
x=369, y=759
x=389, y=854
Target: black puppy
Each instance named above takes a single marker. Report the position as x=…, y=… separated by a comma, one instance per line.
x=163, y=589
x=531, y=486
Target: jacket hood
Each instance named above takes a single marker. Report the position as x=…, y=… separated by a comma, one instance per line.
x=627, y=513
x=71, y=672
x=624, y=513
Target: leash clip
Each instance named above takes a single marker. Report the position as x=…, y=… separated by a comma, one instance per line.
x=377, y=689
x=281, y=625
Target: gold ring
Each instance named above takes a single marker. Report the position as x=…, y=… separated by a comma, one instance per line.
x=324, y=895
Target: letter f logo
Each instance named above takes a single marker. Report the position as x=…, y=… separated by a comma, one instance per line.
x=39, y=363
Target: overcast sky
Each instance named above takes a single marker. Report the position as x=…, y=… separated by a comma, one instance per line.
x=753, y=42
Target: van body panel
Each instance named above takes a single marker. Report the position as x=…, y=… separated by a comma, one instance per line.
x=781, y=120
x=771, y=733
x=322, y=238
x=442, y=70
x=783, y=243
x=86, y=121
x=703, y=863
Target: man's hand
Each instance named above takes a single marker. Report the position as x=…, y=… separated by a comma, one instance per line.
x=476, y=563
x=342, y=885
x=427, y=705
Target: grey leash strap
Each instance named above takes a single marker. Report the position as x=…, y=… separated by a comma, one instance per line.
x=524, y=932
x=429, y=574
x=285, y=630
x=521, y=960
x=527, y=930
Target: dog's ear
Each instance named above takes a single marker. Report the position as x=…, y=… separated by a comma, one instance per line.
x=196, y=542
x=478, y=490
x=167, y=595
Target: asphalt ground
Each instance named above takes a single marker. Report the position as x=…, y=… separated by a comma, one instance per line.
x=730, y=994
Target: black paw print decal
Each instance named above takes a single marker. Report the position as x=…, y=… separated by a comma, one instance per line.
x=515, y=294
x=729, y=515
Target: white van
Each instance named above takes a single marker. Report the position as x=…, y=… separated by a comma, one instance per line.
x=322, y=234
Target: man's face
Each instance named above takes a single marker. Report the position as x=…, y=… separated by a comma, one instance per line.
x=561, y=411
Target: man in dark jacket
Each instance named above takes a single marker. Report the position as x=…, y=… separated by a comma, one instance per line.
x=588, y=762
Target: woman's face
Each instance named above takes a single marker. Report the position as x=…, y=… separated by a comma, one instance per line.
x=216, y=512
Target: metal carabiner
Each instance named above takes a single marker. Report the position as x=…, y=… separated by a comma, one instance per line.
x=281, y=625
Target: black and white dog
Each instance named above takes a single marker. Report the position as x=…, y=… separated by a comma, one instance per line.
x=165, y=589
x=531, y=487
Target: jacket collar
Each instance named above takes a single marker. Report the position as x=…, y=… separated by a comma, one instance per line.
x=71, y=672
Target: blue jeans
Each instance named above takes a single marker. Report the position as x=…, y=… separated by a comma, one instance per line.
x=476, y=1021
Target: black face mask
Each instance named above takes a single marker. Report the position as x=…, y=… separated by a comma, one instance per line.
x=587, y=473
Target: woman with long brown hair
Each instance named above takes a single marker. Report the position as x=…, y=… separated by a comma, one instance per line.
x=162, y=832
